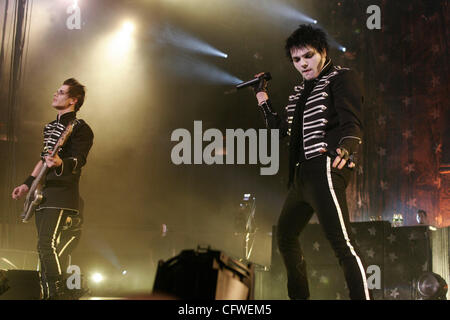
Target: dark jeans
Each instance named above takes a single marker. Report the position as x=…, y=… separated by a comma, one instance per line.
x=319, y=188
x=58, y=234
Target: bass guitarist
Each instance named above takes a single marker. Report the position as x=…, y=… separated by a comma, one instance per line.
x=59, y=212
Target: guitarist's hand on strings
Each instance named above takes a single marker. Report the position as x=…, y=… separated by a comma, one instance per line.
x=53, y=161
x=19, y=191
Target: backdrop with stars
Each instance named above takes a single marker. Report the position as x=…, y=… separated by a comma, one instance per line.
x=404, y=67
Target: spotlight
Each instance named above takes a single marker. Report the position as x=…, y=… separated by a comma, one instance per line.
x=432, y=286
x=122, y=41
x=126, y=31
x=124, y=272
x=315, y=21
x=97, y=277
x=128, y=27
x=343, y=49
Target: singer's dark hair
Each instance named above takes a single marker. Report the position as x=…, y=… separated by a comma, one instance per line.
x=307, y=35
x=76, y=90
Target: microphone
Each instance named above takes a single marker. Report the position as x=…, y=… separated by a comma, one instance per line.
x=254, y=81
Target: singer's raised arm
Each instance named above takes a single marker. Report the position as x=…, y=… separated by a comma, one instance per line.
x=273, y=120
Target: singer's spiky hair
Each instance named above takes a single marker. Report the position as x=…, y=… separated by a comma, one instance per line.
x=306, y=35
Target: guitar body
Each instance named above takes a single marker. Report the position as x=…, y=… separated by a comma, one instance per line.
x=35, y=196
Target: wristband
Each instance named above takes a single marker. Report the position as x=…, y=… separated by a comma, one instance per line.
x=29, y=181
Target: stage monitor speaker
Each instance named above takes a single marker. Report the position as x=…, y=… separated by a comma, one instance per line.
x=23, y=285
x=204, y=274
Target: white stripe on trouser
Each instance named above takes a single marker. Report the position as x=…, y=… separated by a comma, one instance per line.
x=64, y=248
x=53, y=243
x=344, y=230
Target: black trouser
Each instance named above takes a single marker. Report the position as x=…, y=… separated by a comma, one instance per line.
x=319, y=188
x=58, y=234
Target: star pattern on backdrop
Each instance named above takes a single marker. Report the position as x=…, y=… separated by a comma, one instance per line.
x=407, y=134
x=407, y=70
x=316, y=246
x=435, y=113
x=409, y=168
x=280, y=277
x=412, y=202
x=323, y=279
x=435, y=81
x=394, y=293
x=409, y=37
x=393, y=256
x=370, y=253
x=435, y=48
x=381, y=120
x=381, y=152
x=397, y=251
x=391, y=238
x=406, y=101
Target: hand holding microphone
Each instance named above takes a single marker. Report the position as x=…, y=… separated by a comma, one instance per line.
x=259, y=85
x=260, y=81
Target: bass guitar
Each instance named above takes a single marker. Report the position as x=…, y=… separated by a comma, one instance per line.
x=34, y=196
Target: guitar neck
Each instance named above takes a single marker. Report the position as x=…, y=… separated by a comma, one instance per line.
x=40, y=176
x=44, y=169
x=42, y=173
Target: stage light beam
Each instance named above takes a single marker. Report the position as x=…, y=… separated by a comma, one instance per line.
x=183, y=40
x=333, y=43
x=186, y=66
x=287, y=12
x=122, y=41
